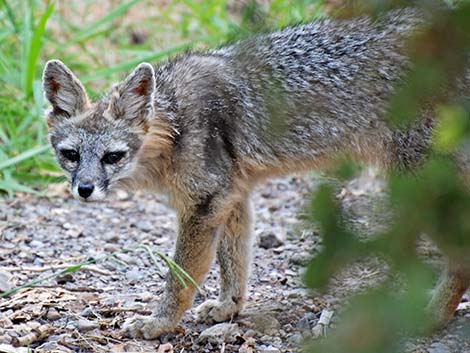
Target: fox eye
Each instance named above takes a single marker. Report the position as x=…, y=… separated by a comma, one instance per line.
x=71, y=155
x=113, y=157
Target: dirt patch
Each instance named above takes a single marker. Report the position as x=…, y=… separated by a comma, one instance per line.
x=83, y=311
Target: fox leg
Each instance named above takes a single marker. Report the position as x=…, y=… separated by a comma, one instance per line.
x=234, y=256
x=448, y=294
x=195, y=248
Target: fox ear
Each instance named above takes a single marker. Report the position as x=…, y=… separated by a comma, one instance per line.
x=63, y=90
x=132, y=100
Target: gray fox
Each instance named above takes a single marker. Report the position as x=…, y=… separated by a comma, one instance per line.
x=206, y=127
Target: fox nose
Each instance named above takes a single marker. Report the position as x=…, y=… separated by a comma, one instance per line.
x=85, y=190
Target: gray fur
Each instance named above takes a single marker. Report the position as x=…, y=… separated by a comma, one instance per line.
x=63, y=90
x=216, y=123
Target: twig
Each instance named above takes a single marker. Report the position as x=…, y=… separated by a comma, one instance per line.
x=321, y=327
x=54, y=268
x=122, y=310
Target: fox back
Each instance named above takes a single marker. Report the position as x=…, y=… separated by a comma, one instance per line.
x=268, y=105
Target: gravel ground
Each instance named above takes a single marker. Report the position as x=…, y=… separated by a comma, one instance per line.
x=83, y=311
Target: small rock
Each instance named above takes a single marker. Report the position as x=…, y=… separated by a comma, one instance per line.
x=220, y=333
x=295, y=340
x=265, y=339
x=53, y=314
x=268, y=349
x=9, y=235
x=87, y=325
x=266, y=324
x=296, y=293
x=111, y=237
x=145, y=226
x=300, y=259
x=134, y=275
x=165, y=348
x=36, y=244
x=272, y=341
x=147, y=297
x=65, y=278
x=438, y=347
x=9, y=348
x=269, y=240
x=88, y=312
x=249, y=333
x=409, y=347
x=68, y=226
x=303, y=324
x=5, y=284
x=111, y=247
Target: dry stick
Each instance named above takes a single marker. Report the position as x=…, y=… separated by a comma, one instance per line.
x=75, y=289
x=121, y=310
x=70, y=269
x=182, y=276
x=55, y=267
x=95, y=347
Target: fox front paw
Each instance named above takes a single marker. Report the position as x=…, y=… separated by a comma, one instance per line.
x=148, y=327
x=216, y=311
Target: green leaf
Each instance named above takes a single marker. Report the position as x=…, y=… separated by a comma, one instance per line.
x=23, y=156
x=33, y=50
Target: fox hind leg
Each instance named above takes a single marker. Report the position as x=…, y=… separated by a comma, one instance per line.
x=448, y=294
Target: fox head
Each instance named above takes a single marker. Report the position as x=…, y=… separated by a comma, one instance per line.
x=97, y=143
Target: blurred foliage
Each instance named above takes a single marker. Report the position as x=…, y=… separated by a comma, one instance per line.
x=433, y=199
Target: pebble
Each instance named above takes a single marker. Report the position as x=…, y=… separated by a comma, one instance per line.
x=250, y=333
x=295, y=340
x=269, y=240
x=303, y=324
x=147, y=296
x=5, y=284
x=145, y=226
x=295, y=293
x=438, y=347
x=86, y=325
x=272, y=341
x=53, y=314
x=111, y=237
x=300, y=259
x=36, y=244
x=134, y=275
x=265, y=323
x=88, y=312
x=220, y=333
x=268, y=349
x=111, y=247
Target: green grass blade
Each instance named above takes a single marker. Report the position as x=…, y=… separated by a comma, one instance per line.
x=153, y=258
x=11, y=16
x=11, y=186
x=89, y=31
x=178, y=271
x=33, y=50
x=70, y=269
x=23, y=156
